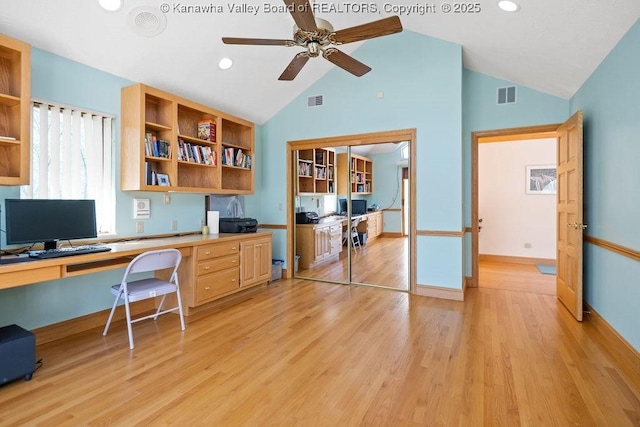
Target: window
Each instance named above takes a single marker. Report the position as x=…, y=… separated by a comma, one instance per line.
x=71, y=158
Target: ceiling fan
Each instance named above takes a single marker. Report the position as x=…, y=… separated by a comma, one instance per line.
x=317, y=35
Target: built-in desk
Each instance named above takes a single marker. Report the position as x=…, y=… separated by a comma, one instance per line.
x=322, y=242
x=251, y=252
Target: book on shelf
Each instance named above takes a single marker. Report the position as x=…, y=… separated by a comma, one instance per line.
x=207, y=130
x=236, y=157
x=157, y=147
x=304, y=169
x=227, y=156
x=320, y=157
x=151, y=177
x=194, y=153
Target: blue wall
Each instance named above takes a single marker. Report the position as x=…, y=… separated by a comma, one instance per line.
x=480, y=112
x=57, y=79
x=422, y=85
x=610, y=100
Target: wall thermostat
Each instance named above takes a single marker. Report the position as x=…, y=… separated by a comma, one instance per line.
x=141, y=208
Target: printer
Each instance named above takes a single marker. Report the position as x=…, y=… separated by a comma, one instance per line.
x=307, y=218
x=238, y=225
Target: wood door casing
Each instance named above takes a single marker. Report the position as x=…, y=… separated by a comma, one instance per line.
x=570, y=215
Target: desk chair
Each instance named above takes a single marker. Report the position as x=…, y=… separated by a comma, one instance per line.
x=131, y=291
x=352, y=233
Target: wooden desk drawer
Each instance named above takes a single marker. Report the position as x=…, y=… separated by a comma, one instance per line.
x=215, y=284
x=218, y=264
x=217, y=250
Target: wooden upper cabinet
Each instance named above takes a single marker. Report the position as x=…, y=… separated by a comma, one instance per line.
x=316, y=171
x=361, y=180
x=15, y=117
x=173, y=144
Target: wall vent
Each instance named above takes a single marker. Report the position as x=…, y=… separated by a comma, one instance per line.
x=315, y=101
x=507, y=95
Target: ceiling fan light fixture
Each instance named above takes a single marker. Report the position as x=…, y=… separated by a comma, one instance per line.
x=110, y=5
x=225, y=63
x=508, y=6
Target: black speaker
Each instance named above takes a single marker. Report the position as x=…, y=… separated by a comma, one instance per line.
x=17, y=353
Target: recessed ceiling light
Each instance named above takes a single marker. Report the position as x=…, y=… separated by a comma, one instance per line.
x=225, y=63
x=508, y=6
x=110, y=5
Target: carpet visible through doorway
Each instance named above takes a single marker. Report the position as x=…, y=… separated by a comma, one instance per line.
x=546, y=269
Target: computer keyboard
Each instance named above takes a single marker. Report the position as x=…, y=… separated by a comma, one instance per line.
x=68, y=251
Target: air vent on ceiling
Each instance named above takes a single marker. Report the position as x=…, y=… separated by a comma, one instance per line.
x=315, y=101
x=507, y=95
x=146, y=21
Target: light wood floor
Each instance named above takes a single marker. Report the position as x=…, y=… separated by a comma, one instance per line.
x=383, y=261
x=515, y=277
x=303, y=353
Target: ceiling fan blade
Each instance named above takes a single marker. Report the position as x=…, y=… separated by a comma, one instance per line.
x=294, y=66
x=345, y=62
x=261, y=42
x=302, y=14
x=383, y=27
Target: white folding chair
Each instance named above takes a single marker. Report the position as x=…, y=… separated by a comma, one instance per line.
x=352, y=233
x=131, y=291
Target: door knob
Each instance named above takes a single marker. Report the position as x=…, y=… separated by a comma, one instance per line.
x=578, y=226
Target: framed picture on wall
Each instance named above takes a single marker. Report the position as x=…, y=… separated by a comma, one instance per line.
x=541, y=179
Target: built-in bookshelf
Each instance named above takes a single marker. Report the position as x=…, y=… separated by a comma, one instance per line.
x=316, y=171
x=361, y=179
x=15, y=118
x=178, y=145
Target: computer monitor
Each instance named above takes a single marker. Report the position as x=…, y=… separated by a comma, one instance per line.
x=48, y=220
x=342, y=209
x=358, y=207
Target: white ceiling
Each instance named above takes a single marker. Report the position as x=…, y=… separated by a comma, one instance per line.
x=549, y=45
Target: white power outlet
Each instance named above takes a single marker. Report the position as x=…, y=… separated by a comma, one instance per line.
x=174, y=225
x=139, y=227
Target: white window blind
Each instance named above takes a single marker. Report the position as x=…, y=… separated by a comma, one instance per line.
x=72, y=158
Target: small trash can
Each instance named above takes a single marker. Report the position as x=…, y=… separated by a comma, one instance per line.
x=362, y=237
x=276, y=269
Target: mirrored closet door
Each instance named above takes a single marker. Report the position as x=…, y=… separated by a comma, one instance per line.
x=349, y=213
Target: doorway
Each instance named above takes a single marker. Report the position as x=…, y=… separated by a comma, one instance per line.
x=512, y=134
x=517, y=218
x=357, y=238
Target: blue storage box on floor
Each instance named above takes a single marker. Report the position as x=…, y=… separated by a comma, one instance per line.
x=276, y=269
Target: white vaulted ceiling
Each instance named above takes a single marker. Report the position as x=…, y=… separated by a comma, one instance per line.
x=549, y=45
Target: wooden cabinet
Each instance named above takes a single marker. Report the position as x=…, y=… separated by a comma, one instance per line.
x=222, y=267
x=316, y=171
x=374, y=225
x=173, y=144
x=361, y=174
x=217, y=269
x=318, y=243
x=15, y=117
x=255, y=257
